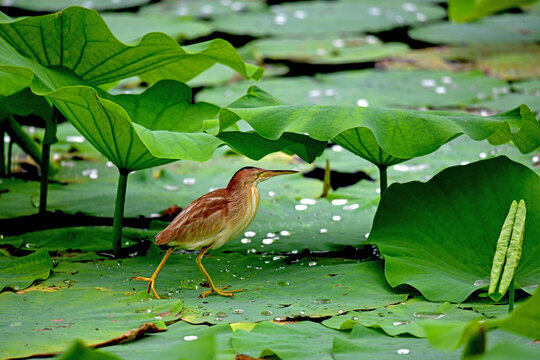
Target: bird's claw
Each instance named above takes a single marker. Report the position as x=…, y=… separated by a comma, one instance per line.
x=220, y=292
x=151, y=284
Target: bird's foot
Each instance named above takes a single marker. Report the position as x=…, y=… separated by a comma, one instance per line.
x=220, y=292
x=151, y=284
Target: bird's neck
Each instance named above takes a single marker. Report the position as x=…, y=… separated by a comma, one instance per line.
x=245, y=194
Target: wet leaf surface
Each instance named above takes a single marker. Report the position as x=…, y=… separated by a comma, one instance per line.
x=54, y=320
x=19, y=273
x=403, y=318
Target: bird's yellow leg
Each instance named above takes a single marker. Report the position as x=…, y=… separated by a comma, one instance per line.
x=152, y=280
x=213, y=287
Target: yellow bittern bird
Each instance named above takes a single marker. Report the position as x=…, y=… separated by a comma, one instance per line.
x=212, y=220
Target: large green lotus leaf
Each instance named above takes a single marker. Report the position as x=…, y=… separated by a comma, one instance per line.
x=446, y=253
x=20, y=273
x=53, y=320
x=383, y=136
x=320, y=17
x=470, y=10
x=104, y=123
x=202, y=342
x=15, y=81
x=75, y=238
x=325, y=50
x=91, y=52
x=402, y=318
x=314, y=288
x=56, y=5
x=255, y=146
x=128, y=26
x=303, y=340
x=499, y=29
x=158, y=126
x=397, y=88
x=24, y=103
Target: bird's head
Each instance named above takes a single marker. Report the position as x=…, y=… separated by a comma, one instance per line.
x=253, y=175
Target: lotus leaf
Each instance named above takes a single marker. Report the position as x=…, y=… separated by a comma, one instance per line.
x=403, y=318
x=319, y=17
x=325, y=50
x=55, y=319
x=20, y=273
x=443, y=252
x=381, y=136
x=311, y=287
x=192, y=342
x=380, y=346
x=498, y=29
x=396, y=88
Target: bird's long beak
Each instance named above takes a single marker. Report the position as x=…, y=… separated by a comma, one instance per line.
x=267, y=174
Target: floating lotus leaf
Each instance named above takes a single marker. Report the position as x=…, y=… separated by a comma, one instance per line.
x=320, y=17
x=333, y=50
x=396, y=88
x=447, y=254
x=403, y=318
x=274, y=288
x=55, y=319
x=498, y=29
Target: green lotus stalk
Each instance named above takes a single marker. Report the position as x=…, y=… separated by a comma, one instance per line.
x=2, y=148
x=48, y=139
x=502, y=247
x=383, y=176
x=326, y=180
x=119, y=211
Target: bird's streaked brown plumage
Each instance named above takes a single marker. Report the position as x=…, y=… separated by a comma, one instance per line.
x=213, y=219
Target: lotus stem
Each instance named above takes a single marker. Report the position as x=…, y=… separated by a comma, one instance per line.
x=45, y=154
x=49, y=138
x=9, y=154
x=326, y=180
x=2, y=148
x=511, y=295
x=383, y=176
x=119, y=211
x=25, y=142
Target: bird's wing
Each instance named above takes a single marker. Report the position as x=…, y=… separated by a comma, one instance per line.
x=201, y=220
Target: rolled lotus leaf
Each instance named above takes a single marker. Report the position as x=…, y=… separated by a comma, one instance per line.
x=502, y=247
x=514, y=248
